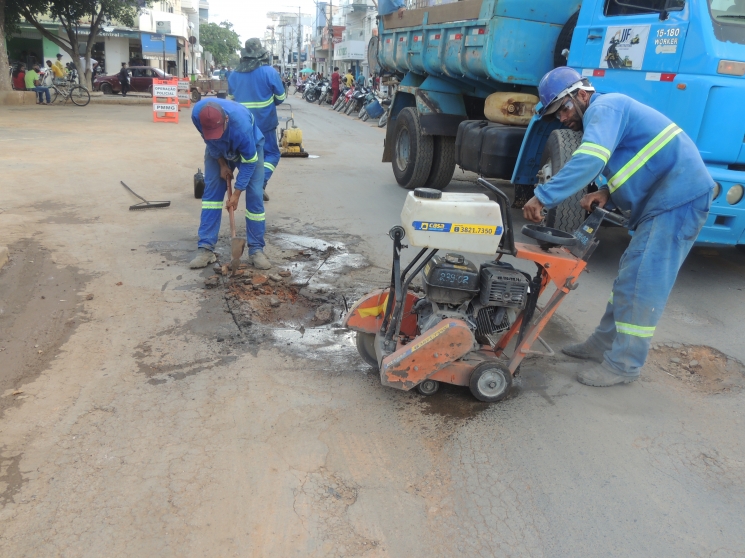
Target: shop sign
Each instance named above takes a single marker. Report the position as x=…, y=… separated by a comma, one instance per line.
x=350, y=50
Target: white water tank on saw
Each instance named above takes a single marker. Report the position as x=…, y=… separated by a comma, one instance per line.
x=452, y=221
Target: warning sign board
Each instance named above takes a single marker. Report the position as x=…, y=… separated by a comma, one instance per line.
x=164, y=90
x=165, y=107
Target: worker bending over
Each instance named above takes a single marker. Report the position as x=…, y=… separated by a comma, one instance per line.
x=258, y=87
x=233, y=142
x=650, y=169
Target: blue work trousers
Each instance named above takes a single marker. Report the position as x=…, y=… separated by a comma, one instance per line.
x=214, y=196
x=646, y=276
x=271, y=153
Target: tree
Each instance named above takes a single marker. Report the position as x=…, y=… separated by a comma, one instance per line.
x=75, y=13
x=9, y=20
x=220, y=40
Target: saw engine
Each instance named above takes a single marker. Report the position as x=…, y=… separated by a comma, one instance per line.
x=487, y=298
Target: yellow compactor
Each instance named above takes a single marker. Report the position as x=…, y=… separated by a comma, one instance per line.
x=291, y=139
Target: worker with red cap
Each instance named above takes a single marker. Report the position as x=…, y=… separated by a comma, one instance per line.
x=233, y=142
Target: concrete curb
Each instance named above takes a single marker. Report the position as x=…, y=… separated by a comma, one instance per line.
x=17, y=98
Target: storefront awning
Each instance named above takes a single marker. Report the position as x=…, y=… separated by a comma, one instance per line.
x=153, y=48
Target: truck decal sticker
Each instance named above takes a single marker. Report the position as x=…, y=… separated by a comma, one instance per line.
x=624, y=47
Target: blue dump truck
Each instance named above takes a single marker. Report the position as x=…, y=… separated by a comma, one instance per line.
x=469, y=72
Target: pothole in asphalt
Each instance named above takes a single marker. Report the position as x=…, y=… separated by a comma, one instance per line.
x=699, y=367
x=297, y=305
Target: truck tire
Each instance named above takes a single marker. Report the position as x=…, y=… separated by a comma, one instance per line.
x=568, y=216
x=412, y=151
x=443, y=163
x=564, y=41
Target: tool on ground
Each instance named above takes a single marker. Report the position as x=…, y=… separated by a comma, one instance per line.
x=199, y=184
x=145, y=204
x=291, y=139
x=459, y=330
x=236, y=244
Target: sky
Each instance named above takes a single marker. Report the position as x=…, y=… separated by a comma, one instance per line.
x=249, y=16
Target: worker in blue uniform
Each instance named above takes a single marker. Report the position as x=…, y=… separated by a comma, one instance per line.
x=651, y=170
x=258, y=87
x=233, y=142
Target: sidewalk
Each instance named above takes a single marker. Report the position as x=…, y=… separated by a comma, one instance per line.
x=130, y=99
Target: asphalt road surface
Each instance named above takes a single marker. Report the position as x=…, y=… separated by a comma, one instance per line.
x=146, y=415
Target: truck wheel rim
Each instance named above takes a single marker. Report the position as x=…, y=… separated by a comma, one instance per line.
x=403, y=145
x=491, y=383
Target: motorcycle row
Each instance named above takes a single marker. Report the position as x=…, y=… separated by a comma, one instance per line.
x=358, y=100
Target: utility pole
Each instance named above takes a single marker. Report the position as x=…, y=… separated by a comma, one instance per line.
x=299, y=39
x=331, y=35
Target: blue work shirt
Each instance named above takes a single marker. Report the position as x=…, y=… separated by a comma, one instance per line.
x=259, y=91
x=238, y=142
x=649, y=163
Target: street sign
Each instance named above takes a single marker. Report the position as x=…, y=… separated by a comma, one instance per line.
x=165, y=107
x=165, y=90
x=157, y=37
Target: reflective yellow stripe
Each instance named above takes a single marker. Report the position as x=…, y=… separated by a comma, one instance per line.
x=269, y=166
x=635, y=330
x=255, y=216
x=374, y=311
x=251, y=160
x=281, y=97
x=644, y=155
x=258, y=104
x=231, y=97
x=595, y=150
x=611, y=297
x=211, y=204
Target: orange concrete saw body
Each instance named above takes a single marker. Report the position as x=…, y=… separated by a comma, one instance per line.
x=387, y=321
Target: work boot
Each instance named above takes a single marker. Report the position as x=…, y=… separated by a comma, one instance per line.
x=266, y=196
x=602, y=375
x=204, y=258
x=260, y=261
x=586, y=351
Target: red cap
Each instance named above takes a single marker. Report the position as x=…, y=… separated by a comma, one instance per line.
x=212, y=119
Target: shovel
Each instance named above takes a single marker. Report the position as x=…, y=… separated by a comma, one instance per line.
x=236, y=244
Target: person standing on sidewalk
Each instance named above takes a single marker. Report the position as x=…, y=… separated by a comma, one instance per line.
x=124, y=79
x=649, y=167
x=258, y=87
x=335, y=83
x=233, y=142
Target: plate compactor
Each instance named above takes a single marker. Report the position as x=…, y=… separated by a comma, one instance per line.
x=290, y=140
x=459, y=331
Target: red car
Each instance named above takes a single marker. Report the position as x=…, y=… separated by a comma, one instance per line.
x=141, y=80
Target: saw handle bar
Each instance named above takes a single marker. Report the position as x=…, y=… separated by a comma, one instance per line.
x=507, y=245
x=611, y=217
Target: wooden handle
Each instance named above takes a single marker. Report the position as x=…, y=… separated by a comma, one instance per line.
x=230, y=210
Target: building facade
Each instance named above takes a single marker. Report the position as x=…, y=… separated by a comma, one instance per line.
x=161, y=38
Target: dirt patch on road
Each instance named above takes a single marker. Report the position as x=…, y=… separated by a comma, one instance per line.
x=38, y=313
x=699, y=367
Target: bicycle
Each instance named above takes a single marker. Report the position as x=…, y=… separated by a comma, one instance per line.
x=78, y=94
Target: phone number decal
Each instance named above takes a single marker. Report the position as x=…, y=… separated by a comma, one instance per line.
x=456, y=228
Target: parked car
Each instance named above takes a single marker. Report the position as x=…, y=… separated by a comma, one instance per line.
x=141, y=80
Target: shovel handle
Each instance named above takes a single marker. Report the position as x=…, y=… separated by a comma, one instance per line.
x=230, y=210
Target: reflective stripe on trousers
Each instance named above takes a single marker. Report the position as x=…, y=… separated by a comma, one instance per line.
x=213, y=203
x=271, y=154
x=646, y=276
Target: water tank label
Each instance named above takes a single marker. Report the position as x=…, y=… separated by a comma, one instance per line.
x=456, y=228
